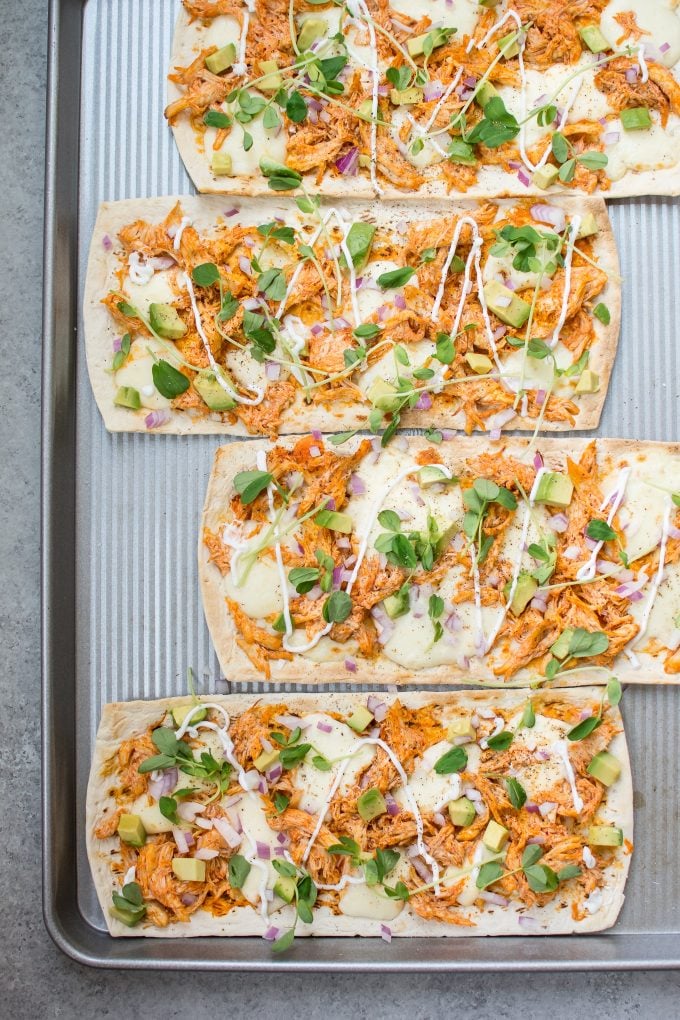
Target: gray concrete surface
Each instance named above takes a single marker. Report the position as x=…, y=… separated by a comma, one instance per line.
x=35, y=980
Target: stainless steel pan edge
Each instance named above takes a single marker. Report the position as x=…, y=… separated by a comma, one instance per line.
x=75, y=936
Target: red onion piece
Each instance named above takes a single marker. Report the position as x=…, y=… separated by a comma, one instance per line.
x=536, y=840
x=316, y=329
x=492, y=897
x=187, y=898
x=272, y=370
x=290, y=721
x=244, y=265
x=227, y=831
x=350, y=665
x=349, y=162
x=438, y=819
x=532, y=808
x=231, y=212
x=611, y=137
x=385, y=933
x=206, y=854
x=164, y=785
x=558, y=522
x=550, y=214
x=376, y=707
x=422, y=869
x=433, y=90
x=424, y=402
x=356, y=485
x=117, y=343
x=107, y=243
x=664, y=47
x=251, y=779
x=271, y=934
x=180, y=838
x=631, y=75
x=523, y=178
x=527, y=922
x=155, y=419
x=263, y=850
x=400, y=301
x=274, y=773
x=546, y=807
x=324, y=727
x=393, y=808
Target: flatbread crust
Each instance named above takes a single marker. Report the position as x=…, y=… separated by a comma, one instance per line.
x=236, y=665
x=495, y=182
x=100, y=329
x=124, y=719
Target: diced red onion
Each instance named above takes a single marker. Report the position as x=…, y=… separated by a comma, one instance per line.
x=231, y=212
x=542, y=755
x=514, y=164
x=274, y=773
x=664, y=47
x=448, y=434
x=251, y=779
x=117, y=343
x=611, y=137
x=392, y=806
x=272, y=370
x=532, y=808
x=107, y=243
x=400, y=301
x=180, y=838
x=290, y=721
x=550, y=214
x=271, y=934
x=206, y=854
x=356, y=485
x=527, y=922
x=572, y=552
x=438, y=819
x=631, y=75
x=227, y=831
x=538, y=603
x=385, y=933
x=673, y=532
x=188, y=809
x=187, y=898
x=558, y=522
x=424, y=402
x=349, y=162
x=536, y=840
x=316, y=329
x=263, y=850
x=155, y=419
x=324, y=726
x=376, y=707
x=500, y=332
x=546, y=807
x=422, y=869
x=523, y=178
x=492, y=897
x=164, y=785
x=283, y=838
x=433, y=90
x=350, y=665
x=244, y=265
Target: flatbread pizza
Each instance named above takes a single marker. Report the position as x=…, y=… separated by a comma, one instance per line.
x=428, y=97
x=463, y=561
x=461, y=814
x=263, y=317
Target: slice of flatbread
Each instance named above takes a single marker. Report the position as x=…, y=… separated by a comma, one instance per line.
x=554, y=815
x=491, y=578
x=429, y=98
x=492, y=315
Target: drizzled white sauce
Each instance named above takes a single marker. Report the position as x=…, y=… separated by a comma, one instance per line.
x=515, y=577
x=658, y=577
x=241, y=68
x=574, y=225
x=587, y=571
x=560, y=748
x=359, y=11
x=140, y=272
x=184, y=223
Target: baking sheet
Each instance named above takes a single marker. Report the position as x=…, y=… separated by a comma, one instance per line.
x=122, y=612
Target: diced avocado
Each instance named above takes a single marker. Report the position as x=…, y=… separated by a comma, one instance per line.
x=462, y=812
x=431, y=475
x=479, y=363
x=403, y=97
x=560, y=648
x=360, y=719
x=128, y=917
x=272, y=80
x=128, y=396
x=264, y=761
x=365, y=112
x=505, y=304
x=311, y=29
x=525, y=589
x=605, y=767
x=484, y=93
x=364, y=160
x=636, y=118
x=545, y=176
x=445, y=539
x=416, y=46
x=370, y=804
x=222, y=59
x=358, y=241
x=334, y=520
x=509, y=45
x=398, y=604
x=495, y=836
x=180, y=712
x=489, y=3
x=284, y=888
x=165, y=321
x=605, y=835
x=188, y=869
x=593, y=39
x=213, y=393
x=131, y=830
x=220, y=164
x=554, y=489
x=383, y=395
x=588, y=226
x=461, y=728
x=153, y=821
x=588, y=383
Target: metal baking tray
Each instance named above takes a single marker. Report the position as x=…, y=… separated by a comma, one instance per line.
x=121, y=610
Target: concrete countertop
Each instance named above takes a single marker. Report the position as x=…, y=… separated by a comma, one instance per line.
x=35, y=979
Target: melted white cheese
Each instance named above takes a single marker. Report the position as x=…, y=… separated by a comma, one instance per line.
x=136, y=371
x=157, y=290
x=660, y=19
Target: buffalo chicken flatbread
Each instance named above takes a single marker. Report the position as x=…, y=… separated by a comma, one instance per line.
x=381, y=97
x=262, y=318
x=484, y=813
x=465, y=561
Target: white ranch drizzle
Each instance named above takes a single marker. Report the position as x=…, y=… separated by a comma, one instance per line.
x=253, y=859
x=344, y=881
x=408, y=793
x=449, y=89
x=422, y=131
x=574, y=225
x=139, y=272
x=515, y=577
x=241, y=67
x=658, y=577
x=644, y=70
x=177, y=240
x=211, y=357
x=359, y=11
x=589, y=568
x=481, y=637
x=560, y=746
x=261, y=461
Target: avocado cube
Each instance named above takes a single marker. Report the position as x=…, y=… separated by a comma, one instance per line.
x=416, y=45
x=312, y=28
x=403, y=97
x=365, y=112
x=509, y=45
x=384, y=395
x=335, y=521
x=489, y=3
x=445, y=539
x=636, y=118
x=212, y=392
x=545, y=176
x=285, y=887
x=180, y=712
x=505, y=304
x=222, y=59
x=554, y=489
x=605, y=767
x=153, y=821
x=588, y=383
x=272, y=80
x=525, y=589
x=188, y=869
x=431, y=475
x=364, y=160
x=127, y=917
x=358, y=243
x=484, y=93
x=221, y=164
x=128, y=396
x=360, y=719
x=479, y=363
x=461, y=728
x=165, y=321
x=131, y=830
x=495, y=836
x=605, y=835
x=462, y=812
x=588, y=226
x=371, y=804
x=264, y=761
x=593, y=39
x=560, y=648
x=396, y=605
